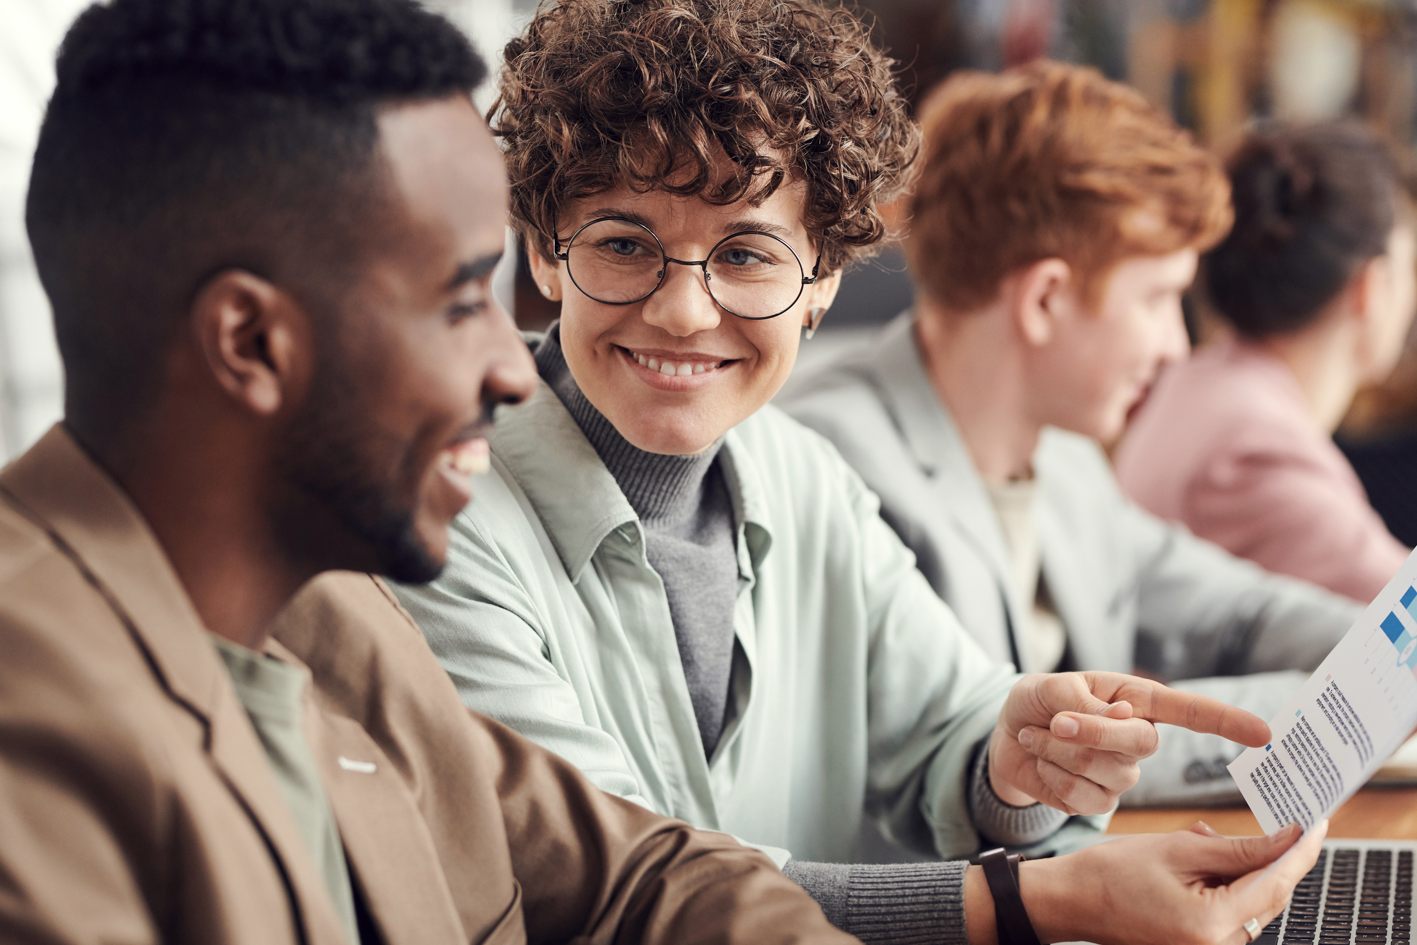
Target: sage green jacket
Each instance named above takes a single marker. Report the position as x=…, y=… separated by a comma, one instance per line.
x=857, y=702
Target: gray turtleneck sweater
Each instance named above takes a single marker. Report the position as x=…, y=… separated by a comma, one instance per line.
x=687, y=515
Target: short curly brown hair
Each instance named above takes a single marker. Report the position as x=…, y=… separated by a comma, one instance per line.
x=1052, y=160
x=649, y=93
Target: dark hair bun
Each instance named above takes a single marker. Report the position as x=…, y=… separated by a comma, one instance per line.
x=1313, y=203
x=1283, y=188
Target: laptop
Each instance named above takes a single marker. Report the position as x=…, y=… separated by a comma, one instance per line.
x=1359, y=893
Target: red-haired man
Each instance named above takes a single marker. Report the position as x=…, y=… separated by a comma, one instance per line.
x=1055, y=224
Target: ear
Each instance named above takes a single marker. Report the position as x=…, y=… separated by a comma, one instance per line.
x=1041, y=297
x=546, y=272
x=1364, y=291
x=253, y=339
x=1367, y=311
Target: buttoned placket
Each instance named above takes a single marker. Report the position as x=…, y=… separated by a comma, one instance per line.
x=638, y=588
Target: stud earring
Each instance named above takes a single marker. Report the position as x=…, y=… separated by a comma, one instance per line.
x=546, y=290
x=814, y=321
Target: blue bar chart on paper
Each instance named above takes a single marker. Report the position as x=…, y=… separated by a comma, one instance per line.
x=1397, y=633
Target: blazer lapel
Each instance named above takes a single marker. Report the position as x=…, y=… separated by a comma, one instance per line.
x=237, y=753
x=90, y=517
x=393, y=859
x=926, y=425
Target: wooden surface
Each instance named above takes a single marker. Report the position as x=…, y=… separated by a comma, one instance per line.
x=1385, y=813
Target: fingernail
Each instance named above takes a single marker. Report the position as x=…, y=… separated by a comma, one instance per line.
x=1065, y=727
x=1025, y=738
x=1285, y=833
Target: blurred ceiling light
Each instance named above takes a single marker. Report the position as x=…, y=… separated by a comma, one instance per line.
x=1315, y=61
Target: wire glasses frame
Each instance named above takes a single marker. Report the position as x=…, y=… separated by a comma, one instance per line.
x=562, y=250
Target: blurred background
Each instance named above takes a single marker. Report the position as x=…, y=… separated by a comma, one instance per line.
x=1214, y=64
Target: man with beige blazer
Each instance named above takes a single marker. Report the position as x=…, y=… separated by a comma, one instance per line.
x=268, y=258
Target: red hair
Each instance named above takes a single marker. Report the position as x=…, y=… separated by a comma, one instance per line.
x=1052, y=161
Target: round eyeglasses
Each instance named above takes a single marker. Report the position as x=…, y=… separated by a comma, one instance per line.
x=616, y=261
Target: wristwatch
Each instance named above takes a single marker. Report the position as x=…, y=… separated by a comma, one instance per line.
x=1010, y=917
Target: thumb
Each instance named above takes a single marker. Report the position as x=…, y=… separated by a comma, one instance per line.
x=1230, y=857
x=1204, y=829
x=1070, y=692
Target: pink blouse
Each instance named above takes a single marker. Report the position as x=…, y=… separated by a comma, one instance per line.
x=1225, y=446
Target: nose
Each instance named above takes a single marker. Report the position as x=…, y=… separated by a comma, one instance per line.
x=682, y=306
x=1177, y=344
x=511, y=373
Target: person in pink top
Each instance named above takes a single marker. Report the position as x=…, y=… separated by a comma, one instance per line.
x=1315, y=287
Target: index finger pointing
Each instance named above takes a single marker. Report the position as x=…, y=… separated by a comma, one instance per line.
x=1159, y=703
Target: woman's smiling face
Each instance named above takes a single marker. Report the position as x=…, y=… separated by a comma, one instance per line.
x=674, y=372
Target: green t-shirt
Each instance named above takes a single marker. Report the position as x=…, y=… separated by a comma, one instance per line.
x=271, y=692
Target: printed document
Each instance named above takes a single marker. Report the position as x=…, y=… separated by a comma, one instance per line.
x=1354, y=712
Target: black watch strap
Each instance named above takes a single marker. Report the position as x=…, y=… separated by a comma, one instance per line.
x=1010, y=917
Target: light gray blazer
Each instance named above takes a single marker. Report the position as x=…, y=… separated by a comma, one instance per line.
x=1133, y=592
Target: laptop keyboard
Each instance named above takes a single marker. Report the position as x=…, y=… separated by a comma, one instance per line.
x=1352, y=896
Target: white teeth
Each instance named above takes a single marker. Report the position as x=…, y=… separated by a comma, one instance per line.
x=471, y=464
x=469, y=459
x=675, y=368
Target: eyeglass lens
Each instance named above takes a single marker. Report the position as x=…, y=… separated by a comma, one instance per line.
x=753, y=275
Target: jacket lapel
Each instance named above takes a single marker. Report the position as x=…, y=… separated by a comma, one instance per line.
x=926, y=425
x=393, y=859
x=64, y=492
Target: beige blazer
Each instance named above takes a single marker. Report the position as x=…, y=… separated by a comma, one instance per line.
x=137, y=805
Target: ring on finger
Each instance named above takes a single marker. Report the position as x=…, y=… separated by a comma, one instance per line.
x=1252, y=929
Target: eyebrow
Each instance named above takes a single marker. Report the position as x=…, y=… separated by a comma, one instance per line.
x=601, y=213
x=473, y=271
x=758, y=226
x=745, y=225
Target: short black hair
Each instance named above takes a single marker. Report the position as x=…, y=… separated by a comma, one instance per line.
x=188, y=136
x=1313, y=203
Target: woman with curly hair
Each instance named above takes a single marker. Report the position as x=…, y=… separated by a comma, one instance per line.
x=693, y=598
